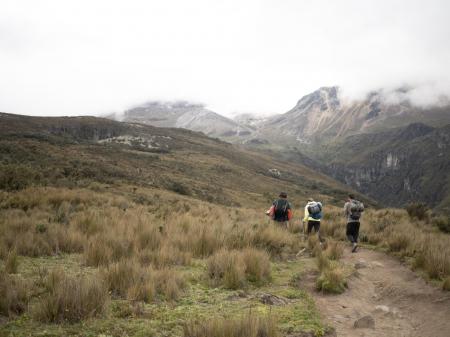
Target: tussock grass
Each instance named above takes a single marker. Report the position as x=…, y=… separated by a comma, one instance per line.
x=332, y=280
x=248, y=326
x=130, y=280
x=14, y=294
x=12, y=262
x=70, y=298
x=233, y=268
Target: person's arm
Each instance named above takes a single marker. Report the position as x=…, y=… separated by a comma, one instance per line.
x=305, y=219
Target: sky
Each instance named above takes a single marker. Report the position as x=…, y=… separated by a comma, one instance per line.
x=92, y=57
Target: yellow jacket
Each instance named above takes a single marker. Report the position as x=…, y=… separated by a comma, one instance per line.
x=307, y=217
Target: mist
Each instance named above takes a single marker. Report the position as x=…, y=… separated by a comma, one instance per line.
x=98, y=57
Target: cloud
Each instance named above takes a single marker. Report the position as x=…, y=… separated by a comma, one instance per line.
x=94, y=57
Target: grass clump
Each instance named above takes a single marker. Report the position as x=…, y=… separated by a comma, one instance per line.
x=70, y=299
x=11, y=263
x=332, y=280
x=446, y=284
x=443, y=223
x=232, y=268
x=248, y=326
x=14, y=294
x=335, y=250
x=227, y=268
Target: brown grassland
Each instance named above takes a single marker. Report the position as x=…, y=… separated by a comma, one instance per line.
x=117, y=240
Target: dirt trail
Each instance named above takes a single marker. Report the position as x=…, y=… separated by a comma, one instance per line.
x=400, y=302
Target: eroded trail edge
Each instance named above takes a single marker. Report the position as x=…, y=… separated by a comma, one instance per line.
x=399, y=301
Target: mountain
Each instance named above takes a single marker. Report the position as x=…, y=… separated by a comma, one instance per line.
x=393, y=152
x=181, y=114
x=323, y=116
x=79, y=151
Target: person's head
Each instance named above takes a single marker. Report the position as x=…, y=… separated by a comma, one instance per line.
x=351, y=196
x=283, y=195
x=310, y=200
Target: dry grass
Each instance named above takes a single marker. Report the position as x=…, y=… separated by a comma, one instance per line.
x=233, y=268
x=12, y=262
x=248, y=326
x=70, y=299
x=332, y=280
x=14, y=294
x=129, y=279
x=401, y=234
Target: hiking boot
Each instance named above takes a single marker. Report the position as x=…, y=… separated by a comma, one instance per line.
x=354, y=247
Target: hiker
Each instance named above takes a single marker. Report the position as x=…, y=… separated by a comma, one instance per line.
x=313, y=214
x=353, y=210
x=281, y=210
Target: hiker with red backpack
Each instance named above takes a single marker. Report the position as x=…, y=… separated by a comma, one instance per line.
x=281, y=210
x=353, y=210
x=313, y=214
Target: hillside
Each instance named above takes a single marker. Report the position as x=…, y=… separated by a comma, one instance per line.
x=80, y=150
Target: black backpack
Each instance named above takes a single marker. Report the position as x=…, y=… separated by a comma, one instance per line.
x=281, y=207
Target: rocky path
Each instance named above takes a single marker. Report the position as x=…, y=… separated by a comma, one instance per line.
x=386, y=299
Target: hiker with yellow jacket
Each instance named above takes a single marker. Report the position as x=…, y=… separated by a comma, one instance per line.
x=313, y=214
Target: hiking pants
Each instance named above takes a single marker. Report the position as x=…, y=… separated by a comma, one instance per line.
x=353, y=231
x=316, y=225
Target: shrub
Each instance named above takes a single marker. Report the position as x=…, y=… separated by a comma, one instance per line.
x=14, y=294
x=443, y=223
x=17, y=177
x=332, y=280
x=70, y=299
x=417, y=210
x=247, y=326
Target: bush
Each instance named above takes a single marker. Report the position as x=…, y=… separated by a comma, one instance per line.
x=70, y=299
x=14, y=294
x=247, y=326
x=443, y=223
x=17, y=177
x=417, y=210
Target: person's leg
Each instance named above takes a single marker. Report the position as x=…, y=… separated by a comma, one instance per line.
x=349, y=232
x=317, y=230
x=310, y=227
x=356, y=231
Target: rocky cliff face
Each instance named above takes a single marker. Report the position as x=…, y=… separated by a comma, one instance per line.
x=406, y=164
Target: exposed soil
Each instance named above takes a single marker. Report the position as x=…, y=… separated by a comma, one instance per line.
x=400, y=302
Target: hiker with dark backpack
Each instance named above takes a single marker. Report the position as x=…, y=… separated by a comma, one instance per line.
x=313, y=214
x=353, y=210
x=281, y=210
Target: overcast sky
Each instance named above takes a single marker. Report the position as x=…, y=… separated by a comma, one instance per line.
x=93, y=57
